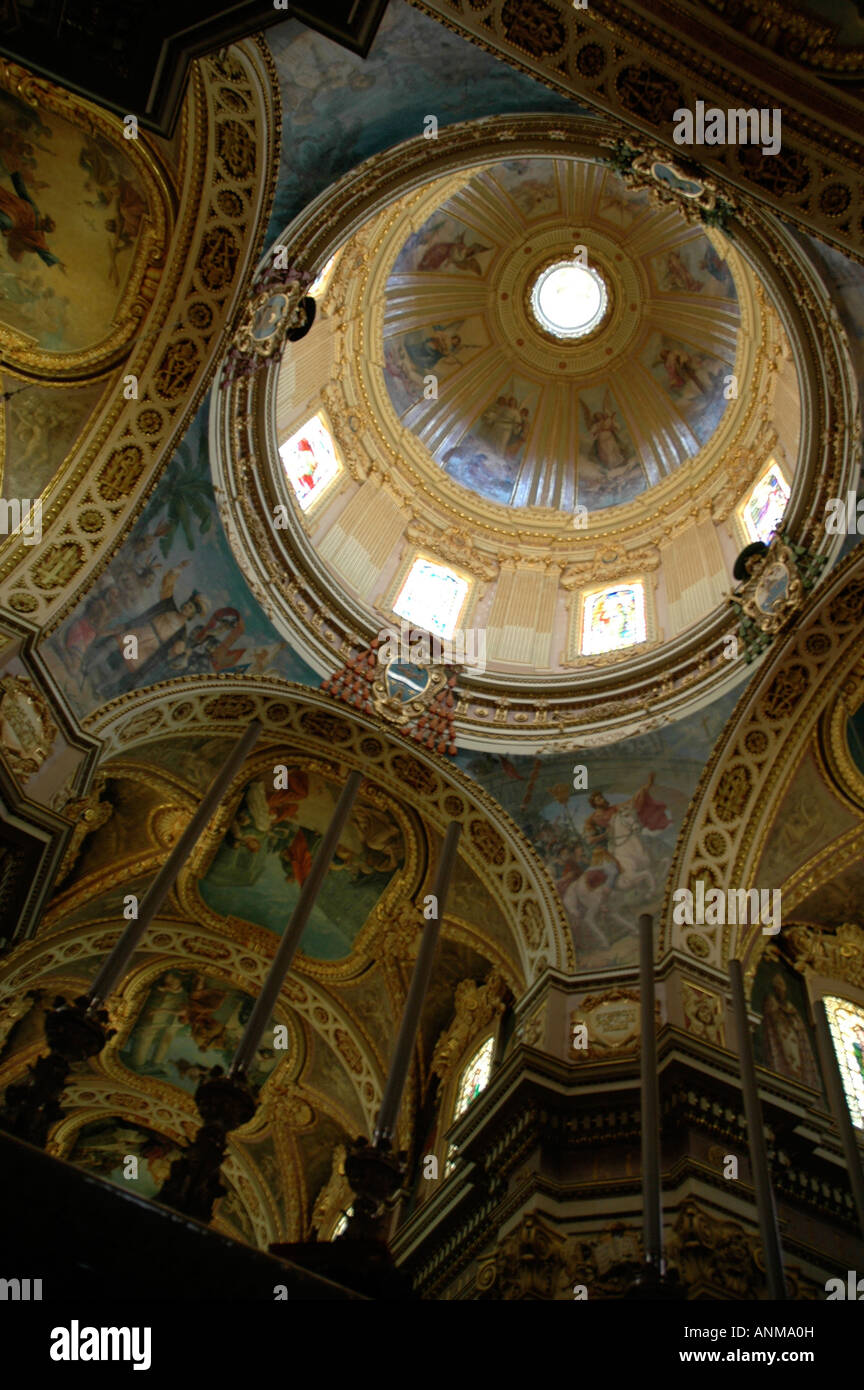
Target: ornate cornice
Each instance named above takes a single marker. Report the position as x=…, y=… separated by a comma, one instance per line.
x=639, y=67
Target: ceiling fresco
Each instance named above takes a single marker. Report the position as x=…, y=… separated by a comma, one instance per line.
x=175, y=586
x=181, y=1014
x=267, y=852
x=607, y=843
x=338, y=109
x=72, y=211
x=580, y=783
x=506, y=422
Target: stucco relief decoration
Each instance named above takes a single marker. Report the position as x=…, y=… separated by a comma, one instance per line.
x=278, y=310
x=838, y=956
x=612, y=1023
x=27, y=731
x=680, y=184
x=414, y=695
x=779, y=576
x=477, y=1006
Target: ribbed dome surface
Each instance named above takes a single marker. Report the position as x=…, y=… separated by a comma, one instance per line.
x=526, y=416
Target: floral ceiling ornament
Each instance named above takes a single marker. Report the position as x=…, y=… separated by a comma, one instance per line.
x=278, y=310
x=775, y=580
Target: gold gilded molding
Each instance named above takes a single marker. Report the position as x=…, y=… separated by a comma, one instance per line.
x=93, y=500
x=303, y=718
x=734, y=806
x=618, y=61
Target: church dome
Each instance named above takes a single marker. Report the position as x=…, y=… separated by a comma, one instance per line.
x=554, y=339
x=564, y=387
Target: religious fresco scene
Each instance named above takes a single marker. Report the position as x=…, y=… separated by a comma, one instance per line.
x=102, y=1148
x=784, y=1041
x=430, y=582
x=174, y=587
x=461, y=259
x=188, y=1023
x=608, y=848
x=71, y=212
x=267, y=854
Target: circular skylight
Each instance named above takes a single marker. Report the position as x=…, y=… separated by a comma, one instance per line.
x=569, y=299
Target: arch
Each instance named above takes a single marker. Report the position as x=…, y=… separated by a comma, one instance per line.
x=496, y=850
x=737, y=800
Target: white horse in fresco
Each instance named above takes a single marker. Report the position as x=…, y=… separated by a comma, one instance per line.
x=625, y=844
x=593, y=906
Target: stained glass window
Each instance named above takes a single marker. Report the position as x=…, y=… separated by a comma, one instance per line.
x=846, y=1021
x=475, y=1078
x=764, y=508
x=432, y=597
x=310, y=461
x=613, y=618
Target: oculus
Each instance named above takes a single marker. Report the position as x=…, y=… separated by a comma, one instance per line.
x=569, y=299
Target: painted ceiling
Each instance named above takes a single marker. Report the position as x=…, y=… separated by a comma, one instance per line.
x=337, y=110
x=523, y=418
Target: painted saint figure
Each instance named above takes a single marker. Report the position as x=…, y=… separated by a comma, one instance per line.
x=609, y=449
x=785, y=1043
x=442, y=254
x=443, y=344
x=683, y=367
x=160, y=1022
x=161, y=636
x=678, y=277
x=606, y=862
x=23, y=225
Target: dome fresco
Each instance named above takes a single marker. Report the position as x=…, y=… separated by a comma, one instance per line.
x=633, y=383
x=507, y=332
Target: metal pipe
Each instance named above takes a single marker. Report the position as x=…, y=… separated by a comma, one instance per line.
x=115, y=964
x=281, y=964
x=411, y=1014
x=756, y=1139
x=652, y=1198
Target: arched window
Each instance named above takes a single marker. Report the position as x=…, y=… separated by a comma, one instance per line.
x=763, y=511
x=474, y=1078
x=310, y=461
x=433, y=597
x=613, y=618
x=846, y=1021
